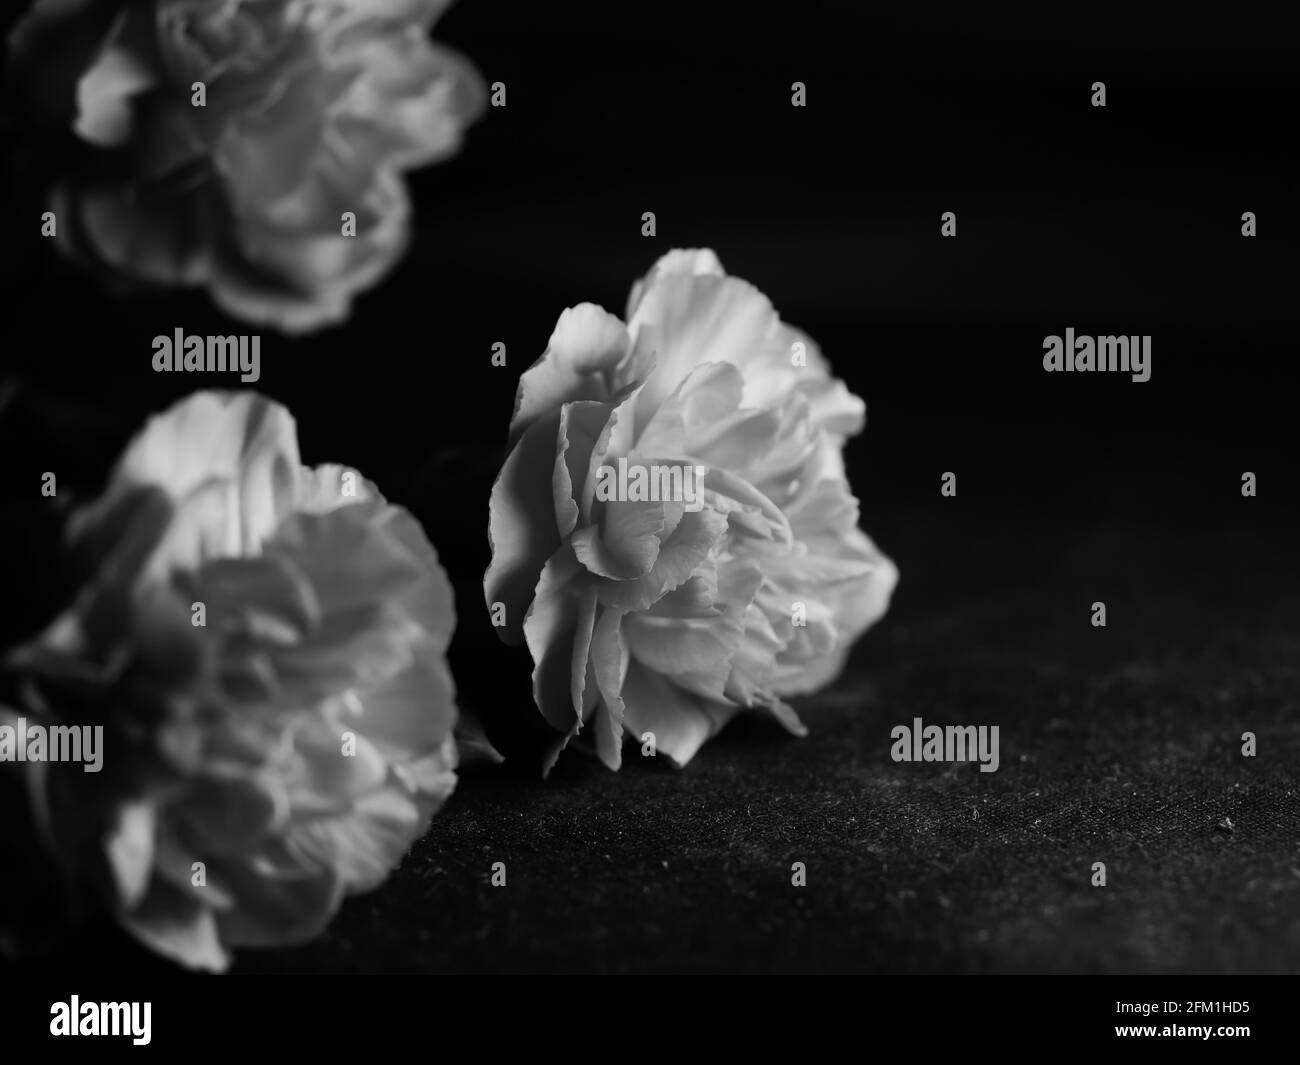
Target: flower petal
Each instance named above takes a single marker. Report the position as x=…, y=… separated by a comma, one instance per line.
x=229, y=462
x=610, y=662
x=177, y=927
x=680, y=555
x=549, y=628
x=586, y=341
x=521, y=525
x=681, y=722
x=688, y=262
x=104, y=93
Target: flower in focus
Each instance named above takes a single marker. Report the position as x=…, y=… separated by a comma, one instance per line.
x=232, y=138
x=263, y=645
x=670, y=615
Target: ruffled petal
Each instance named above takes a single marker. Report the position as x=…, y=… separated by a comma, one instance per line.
x=680, y=721
x=229, y=463
x=522, y=525
x=586, y=341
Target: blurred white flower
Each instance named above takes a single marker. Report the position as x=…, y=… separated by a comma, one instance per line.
x=649, y=616
x=311, y=109
x=282, y=754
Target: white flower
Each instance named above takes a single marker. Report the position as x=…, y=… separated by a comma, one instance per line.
x=653, y=616
x=285, y=752
x=311, y=109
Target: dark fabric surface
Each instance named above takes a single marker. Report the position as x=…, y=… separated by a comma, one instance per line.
x=1119, y=745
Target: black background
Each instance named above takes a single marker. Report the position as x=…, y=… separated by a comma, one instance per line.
x=1118, y=744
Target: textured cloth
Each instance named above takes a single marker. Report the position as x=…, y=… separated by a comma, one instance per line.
x=1120, y=745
